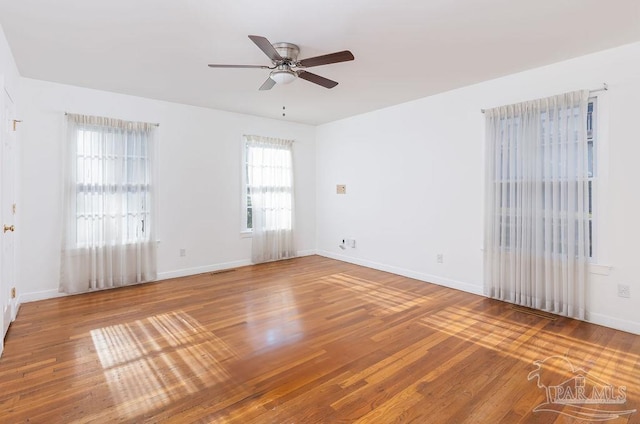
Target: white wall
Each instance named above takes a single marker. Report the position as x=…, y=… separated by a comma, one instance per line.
x=8, y=68
x=199, y=159
x=414, y=176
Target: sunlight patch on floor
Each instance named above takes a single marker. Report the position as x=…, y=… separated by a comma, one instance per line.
x=153, y=362
x=531, y=343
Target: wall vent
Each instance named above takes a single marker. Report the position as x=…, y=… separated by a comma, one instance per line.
x=541, y=314
x=222, y=271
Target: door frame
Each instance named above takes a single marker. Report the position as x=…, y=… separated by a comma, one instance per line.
x=3, y=294
x=8, y=272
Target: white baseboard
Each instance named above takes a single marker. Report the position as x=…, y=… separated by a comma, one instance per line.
x=446, y=282
x=40, y=295
x=50, y=294
x=308, y=252
x=616, y=323
x=217, y=267
x=202, y=269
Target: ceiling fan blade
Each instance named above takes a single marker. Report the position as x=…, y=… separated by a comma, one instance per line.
x=238, y=66
x=268, y=84
x=317, y=79
x=326, y=59
x=266, y=47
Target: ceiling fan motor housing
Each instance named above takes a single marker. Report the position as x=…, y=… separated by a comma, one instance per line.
x=284, y=74
x=288, y=51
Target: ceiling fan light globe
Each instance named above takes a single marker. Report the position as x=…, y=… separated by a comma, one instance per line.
x=283, y=76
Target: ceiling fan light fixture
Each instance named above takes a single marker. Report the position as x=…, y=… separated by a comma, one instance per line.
x=283, y=76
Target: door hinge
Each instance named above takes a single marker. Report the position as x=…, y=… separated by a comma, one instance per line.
x=15, y=123
x=13, y=208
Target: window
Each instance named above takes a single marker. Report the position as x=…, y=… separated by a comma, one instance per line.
x=267, y=168
x=512, y=181
x=108, y=215
x=540, y=161
x=112, y=185
x=267, y=194
x=247, y=210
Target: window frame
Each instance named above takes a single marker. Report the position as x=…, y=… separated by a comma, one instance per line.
x=142, y=230
x=245, y=231
x=593, y=137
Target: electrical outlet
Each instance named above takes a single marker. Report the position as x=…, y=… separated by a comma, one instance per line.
x=624, y=290
x=351, y=243
x=183, y=252
x=341, y=189
x=440, y=258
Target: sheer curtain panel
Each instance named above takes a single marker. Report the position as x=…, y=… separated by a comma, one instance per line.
x=537, y=212
x=270, y=181
x=108, y=229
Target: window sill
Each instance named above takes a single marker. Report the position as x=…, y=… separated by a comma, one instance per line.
x=246, y=234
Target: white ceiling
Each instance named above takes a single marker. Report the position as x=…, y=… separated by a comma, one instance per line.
x=404, y=49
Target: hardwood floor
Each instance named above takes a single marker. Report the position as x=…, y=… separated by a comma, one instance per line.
x=304, y=341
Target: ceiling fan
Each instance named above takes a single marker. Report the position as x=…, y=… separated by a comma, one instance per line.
x=286, y=66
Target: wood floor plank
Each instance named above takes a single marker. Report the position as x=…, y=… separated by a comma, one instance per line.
x=308, y=340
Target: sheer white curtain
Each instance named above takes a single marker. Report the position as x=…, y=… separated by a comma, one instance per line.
x=537, y=212
x=108, y=229
x=270, y=181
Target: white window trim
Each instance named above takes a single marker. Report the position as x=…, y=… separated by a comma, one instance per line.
x=594, y=178
x=599, y=259
x=244, y=231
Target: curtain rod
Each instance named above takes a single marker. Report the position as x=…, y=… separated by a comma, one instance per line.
x=605, y=87
x=150, y=123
